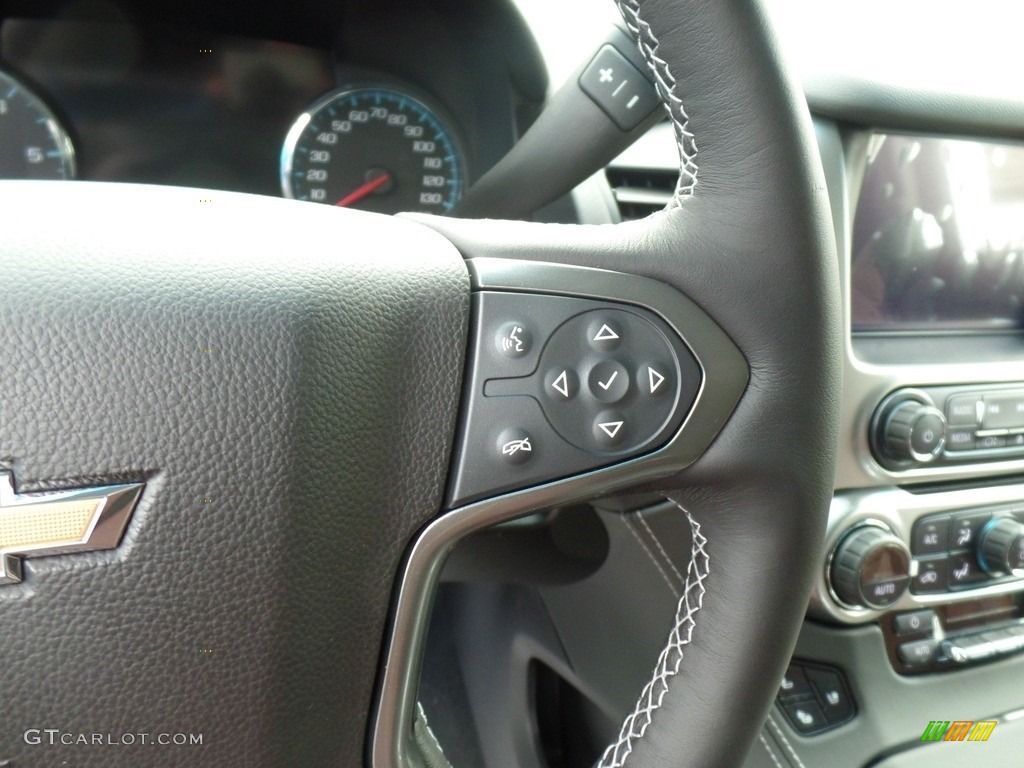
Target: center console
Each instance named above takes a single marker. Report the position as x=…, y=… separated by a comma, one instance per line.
x=926, y=531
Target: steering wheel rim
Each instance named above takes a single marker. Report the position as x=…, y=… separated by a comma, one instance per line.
x=757, y=192
x=319, y=347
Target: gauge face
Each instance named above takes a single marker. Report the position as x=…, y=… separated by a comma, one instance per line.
x=33, y=145
x=376, y=149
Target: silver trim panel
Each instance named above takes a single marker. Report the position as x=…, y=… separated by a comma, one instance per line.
x=865, y=384
x=897, y=509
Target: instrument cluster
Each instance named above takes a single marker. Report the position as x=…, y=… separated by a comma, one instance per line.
x=389, y=117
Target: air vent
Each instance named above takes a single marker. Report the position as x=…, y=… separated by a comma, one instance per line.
x=641, y=191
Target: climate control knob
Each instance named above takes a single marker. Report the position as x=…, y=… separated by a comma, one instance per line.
x=1001, y=547
x=911, y=430
x=870, y=568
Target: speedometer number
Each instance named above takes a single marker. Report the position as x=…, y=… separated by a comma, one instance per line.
x=376, y=149
x=32, y=143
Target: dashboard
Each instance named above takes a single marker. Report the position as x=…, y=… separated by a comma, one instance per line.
x=394, y=106
x=918, y=606
x=384, y=106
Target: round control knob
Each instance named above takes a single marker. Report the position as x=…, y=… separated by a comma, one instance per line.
x=913, y=431
x=870, y=568
x=1001, y=547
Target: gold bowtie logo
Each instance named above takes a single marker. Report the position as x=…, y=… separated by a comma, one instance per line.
x=58, y=522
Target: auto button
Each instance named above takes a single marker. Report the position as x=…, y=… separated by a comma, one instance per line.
x=870, y=567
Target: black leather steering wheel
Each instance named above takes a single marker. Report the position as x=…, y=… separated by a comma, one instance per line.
x=285, y=378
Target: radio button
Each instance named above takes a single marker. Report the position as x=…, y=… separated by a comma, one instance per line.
x=929, y=434
x=1004, y=410
x=912, y=430
x=964, y=410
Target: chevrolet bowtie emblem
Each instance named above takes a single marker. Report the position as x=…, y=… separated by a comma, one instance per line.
x=53, y=523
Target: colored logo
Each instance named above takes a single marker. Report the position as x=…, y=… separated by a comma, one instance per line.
x=958, y=730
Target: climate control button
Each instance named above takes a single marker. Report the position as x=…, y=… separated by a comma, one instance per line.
x=870, y=568
x=1001, y=547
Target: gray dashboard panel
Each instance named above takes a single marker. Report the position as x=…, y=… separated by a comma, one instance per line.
x=893, y=711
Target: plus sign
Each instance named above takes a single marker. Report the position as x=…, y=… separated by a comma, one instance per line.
x=606, y=75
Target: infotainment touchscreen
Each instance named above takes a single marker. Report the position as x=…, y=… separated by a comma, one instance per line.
x=938, y=236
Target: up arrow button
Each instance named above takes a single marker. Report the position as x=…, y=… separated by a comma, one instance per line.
x=604, y=332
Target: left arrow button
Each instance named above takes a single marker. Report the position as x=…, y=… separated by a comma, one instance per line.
x=561, y=384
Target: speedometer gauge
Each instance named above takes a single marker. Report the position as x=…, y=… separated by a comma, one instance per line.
x=33, y=145
x=373, y=148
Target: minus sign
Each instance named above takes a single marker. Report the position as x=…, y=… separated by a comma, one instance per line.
x=621, y=86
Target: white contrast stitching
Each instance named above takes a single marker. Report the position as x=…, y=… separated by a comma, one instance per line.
x=430, y=731
x=661, y=549
x=672, y=587
x=670, y=660
x=769, y=750
x=785, y=742
x=665, y=83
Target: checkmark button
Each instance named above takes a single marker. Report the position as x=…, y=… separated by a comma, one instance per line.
x=608, y=381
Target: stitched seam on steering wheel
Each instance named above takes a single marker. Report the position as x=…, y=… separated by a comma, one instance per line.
x=785, y=742
x=664, y=574
x=665, y=83
x=661, y=550
x=636, y=723
x=768, y=749
x=422, y=715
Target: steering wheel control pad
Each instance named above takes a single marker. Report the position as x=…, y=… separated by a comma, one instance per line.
x=560, y=385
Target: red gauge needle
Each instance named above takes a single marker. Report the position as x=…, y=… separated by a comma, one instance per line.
x=367, y=188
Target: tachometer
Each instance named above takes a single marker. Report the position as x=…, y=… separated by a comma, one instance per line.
x=373, y=148
x=33, y=145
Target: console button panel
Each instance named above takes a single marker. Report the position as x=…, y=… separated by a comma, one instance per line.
x=953, y=636
x=983, y=423
x=558, y=385
x=815, y=697
x=945, y=549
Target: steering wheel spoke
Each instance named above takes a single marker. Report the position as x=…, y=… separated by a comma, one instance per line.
x=286, y=381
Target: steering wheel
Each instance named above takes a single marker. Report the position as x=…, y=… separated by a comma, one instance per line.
x=279, y=386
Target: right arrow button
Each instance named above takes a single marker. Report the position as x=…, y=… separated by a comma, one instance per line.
x=654, y=379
